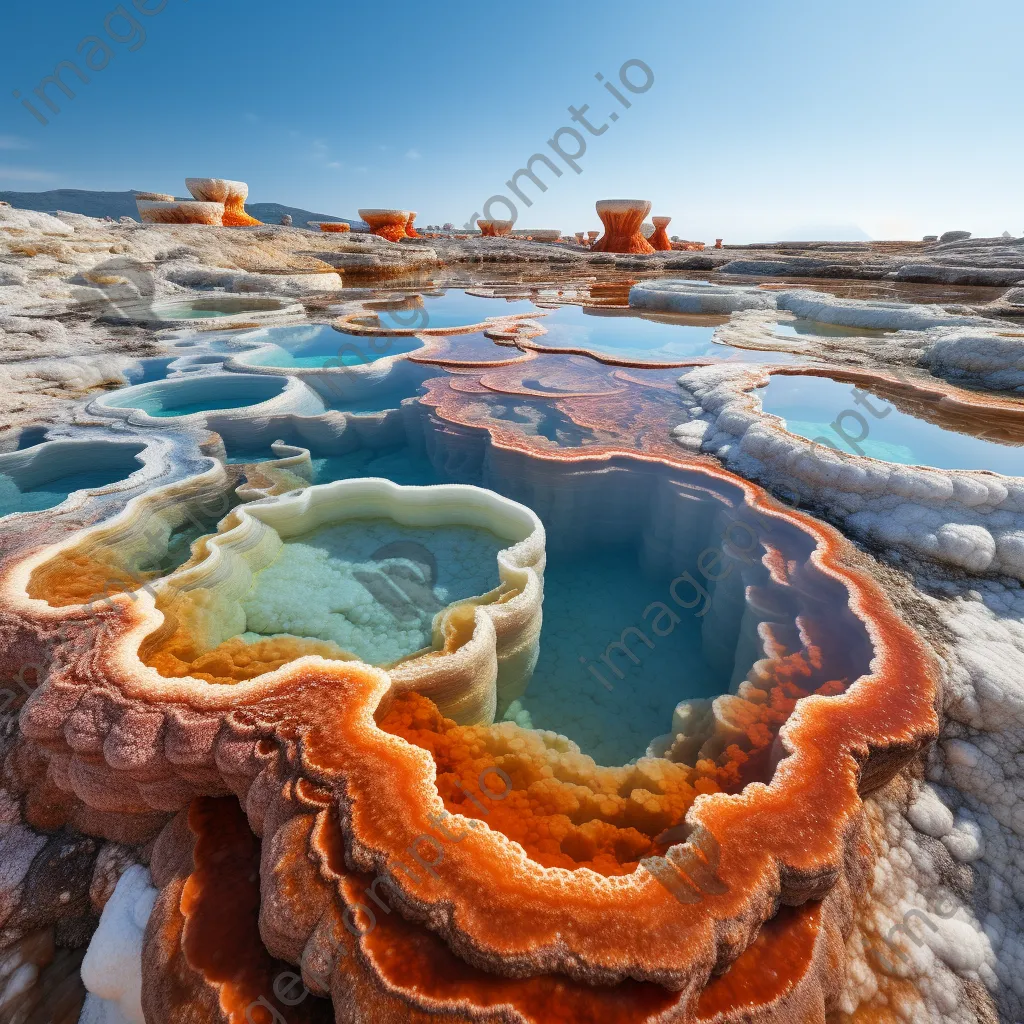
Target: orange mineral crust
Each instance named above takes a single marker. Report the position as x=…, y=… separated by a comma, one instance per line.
x=622, y=219
x=559, y=868
x=402, y=972
x=207, y=947
x=660, y=239
x=203, y=953
x=410, y=231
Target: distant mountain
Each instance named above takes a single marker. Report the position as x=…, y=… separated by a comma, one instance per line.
x=122, y=204
x=271, y=213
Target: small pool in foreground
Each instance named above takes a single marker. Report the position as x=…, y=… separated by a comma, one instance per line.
x=855, y=420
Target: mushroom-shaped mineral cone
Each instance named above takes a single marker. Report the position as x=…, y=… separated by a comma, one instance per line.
x=592, y=236
x=410, y=231
x=581, y=237
x=184, y=212
x=486, y=228
x=337, y=227
x=622, y=219
x=718, y=243
x=155, y=197
x=659, y=239
x=389, y=224
x=232, y=194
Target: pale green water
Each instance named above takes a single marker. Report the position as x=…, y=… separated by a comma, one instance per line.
x=378, y=585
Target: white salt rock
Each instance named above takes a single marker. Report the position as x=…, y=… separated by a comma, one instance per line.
x=112, y=968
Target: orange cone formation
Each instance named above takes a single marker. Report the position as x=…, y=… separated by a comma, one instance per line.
x=494, y=228
x=389, y=224
x=180, y=212
x=622, y=219
x=232, y=194
x=410, y=231
x=660, y=239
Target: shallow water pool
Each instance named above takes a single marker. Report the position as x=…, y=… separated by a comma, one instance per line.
x=638, y=339
x=455, y=308
x=855, y=420
x=318, y=346
x=184, y=396
x=378, y=584
x=33, y=488
x=612, y=708
x=817, y=329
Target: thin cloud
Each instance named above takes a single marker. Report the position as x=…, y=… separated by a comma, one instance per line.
x=412, y=154
x=335, y=164
x=13, y=142
x=26, y=174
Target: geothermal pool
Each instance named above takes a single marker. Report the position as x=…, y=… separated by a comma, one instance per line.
x=187, y=395
x=612, y=708
x=855, y=420
x=629, y=336
x=313, y=346
x=40, y=477
x=455, y=308
x=817, y=329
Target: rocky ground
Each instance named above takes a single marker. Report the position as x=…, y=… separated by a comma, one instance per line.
x=56, y=270
x=962, y=830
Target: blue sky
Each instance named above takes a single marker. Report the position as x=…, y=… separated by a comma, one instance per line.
x=766, y=118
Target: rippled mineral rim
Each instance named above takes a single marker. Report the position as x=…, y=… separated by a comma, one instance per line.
x=496, y=614
x=206, y=862
x=782, y=841
x=294, y=396
x=371, y=370
x=936, y=401
x=154, y=461
x=785, y=841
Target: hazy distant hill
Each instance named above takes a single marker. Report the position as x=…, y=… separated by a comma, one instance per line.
x=122, y=204
x=824, y=232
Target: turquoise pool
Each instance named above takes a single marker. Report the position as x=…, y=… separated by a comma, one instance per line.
x=183, y=396
x=856, y=421
x=41, y=484
x=319, y=346
x=455, y=308
x=632, y=337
